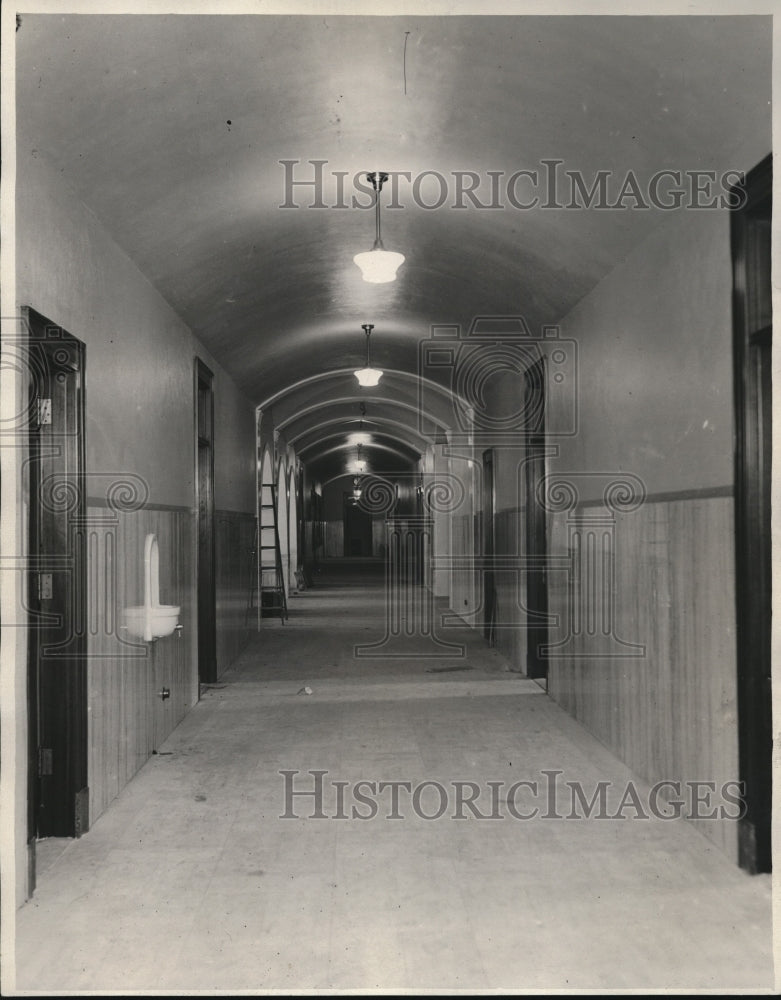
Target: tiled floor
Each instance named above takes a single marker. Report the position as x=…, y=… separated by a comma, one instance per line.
x=191, y=881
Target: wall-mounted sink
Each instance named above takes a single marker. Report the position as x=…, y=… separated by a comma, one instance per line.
x=151, y=620
x=152, y=623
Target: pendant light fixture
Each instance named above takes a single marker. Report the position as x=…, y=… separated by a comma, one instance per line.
x=368, y=376
x=360, y=436
x=378, y=265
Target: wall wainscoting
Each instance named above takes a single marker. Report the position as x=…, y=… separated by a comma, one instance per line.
x=236, y=570
x=643, y=631
x=644, y=655
x=509, y=637
x=127, y=717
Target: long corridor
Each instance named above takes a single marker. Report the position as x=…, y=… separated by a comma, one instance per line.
x=209, y=873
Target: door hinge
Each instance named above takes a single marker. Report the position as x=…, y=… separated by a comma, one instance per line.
x=45, y=762
x=45, y=587
x=44, y=411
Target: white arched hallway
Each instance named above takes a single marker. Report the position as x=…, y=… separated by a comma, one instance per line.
x=549, y=437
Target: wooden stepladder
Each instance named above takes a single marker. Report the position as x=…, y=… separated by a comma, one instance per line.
x=273, y=600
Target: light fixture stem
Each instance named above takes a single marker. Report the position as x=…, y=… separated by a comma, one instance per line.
x=377, y=180
x=367, y=329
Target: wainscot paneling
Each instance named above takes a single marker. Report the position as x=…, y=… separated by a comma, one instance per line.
x=670, y=712
x=333, y=539
x=127, y=717
x=236, y=571
x=463, y=600
x=509, y=633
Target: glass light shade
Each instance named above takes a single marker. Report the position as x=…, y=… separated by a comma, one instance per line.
x=368, y=376
x=379, y=266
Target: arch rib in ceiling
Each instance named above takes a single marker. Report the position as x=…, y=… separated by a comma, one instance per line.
x=318, y=435
x=350, y=401
x=447, y=395
x=310, y=453
x=375, y=420
x=405, y=456
x=362, y=475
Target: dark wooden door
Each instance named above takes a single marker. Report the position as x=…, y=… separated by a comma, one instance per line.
x=204, y=479
x=58, y=797
x=357, y=528
x=535, y=532
x=752, y=295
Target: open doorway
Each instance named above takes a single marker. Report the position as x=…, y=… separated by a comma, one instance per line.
x=58, y=798
x=358, y=528
x=536, y=543
x=204, y=488
x=752, y=338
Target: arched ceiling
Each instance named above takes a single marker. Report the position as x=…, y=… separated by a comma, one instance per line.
x=172, y=130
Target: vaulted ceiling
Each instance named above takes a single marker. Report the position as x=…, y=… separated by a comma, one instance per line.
x=172, y=130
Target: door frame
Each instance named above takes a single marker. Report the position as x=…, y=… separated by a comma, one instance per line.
x=60, y=694
x=753, y=574
x=488, y=545
x=535, y=526
x=205, y=561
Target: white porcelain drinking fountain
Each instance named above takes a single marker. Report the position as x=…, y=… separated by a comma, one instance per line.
x=152, y=620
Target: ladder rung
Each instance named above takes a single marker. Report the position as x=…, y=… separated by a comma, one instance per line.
x=272, y=595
